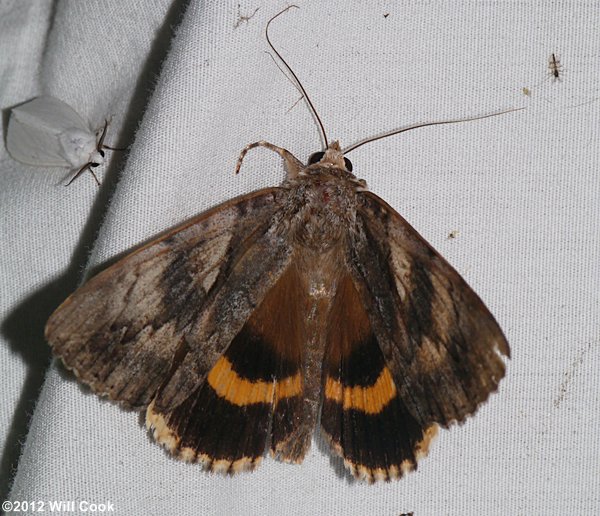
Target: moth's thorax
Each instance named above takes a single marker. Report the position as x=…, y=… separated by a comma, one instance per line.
x=320, y=206
x=78, y=147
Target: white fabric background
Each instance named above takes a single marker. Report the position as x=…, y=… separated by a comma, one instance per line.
x=522, y=190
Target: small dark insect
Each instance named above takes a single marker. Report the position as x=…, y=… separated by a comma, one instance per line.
x=555, y=67
x=236, y=330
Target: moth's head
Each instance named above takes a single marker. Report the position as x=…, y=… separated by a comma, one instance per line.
x=333, y=162
x=96, y=158
x=331, y=157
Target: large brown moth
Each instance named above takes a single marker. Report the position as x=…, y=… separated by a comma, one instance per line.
x=238, y=329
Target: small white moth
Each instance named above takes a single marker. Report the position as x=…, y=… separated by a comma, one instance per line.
x=47, y=132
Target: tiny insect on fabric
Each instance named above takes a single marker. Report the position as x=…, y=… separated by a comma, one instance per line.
x=555, y=67
x=238, y=329
x=46, y=132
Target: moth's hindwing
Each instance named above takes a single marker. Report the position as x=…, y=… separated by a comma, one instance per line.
x=255, y=388
x=363, y=415
x=126, y=332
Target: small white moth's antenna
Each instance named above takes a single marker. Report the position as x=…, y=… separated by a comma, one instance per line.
x=289, y=68
x=427, y=124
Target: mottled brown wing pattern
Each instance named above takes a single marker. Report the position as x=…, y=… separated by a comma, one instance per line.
x=437, y=337
x=410, y=347
x=134, y=320
x=221, y=330
x=251, y=395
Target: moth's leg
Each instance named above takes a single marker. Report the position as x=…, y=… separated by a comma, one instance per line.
x=292, y=164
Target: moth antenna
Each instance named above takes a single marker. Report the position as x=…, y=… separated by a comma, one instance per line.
x=289, y=68
x=101, y=145
x=427, y=124
x=285, y=74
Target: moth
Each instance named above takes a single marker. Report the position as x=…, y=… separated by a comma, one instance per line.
x=309, y=304
x=48, y=132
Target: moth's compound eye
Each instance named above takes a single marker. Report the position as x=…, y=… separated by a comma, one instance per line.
x=315, y=158
x=348, y=164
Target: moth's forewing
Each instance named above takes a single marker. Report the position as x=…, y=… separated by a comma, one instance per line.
x=420, y=348
x=443, y=344
x=126, y=331
x=35, y=129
